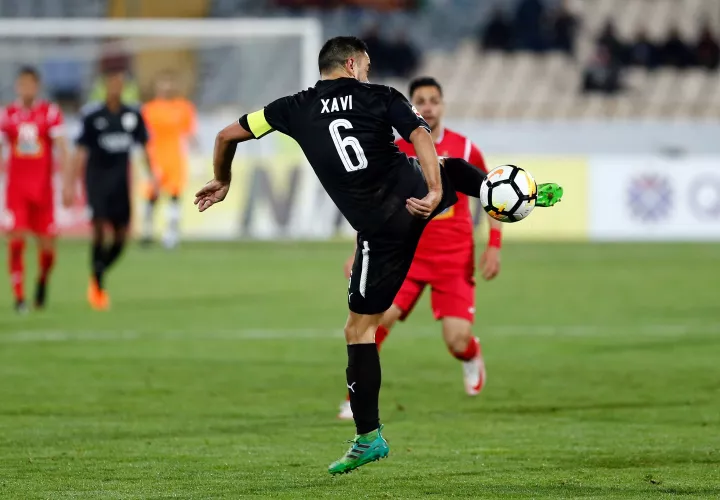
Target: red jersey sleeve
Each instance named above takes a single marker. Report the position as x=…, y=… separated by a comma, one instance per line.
x=55, y=121
x=405, y=146
x=475, y=157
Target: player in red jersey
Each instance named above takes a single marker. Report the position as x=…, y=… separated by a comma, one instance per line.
x=31, y=128
x=445, y=257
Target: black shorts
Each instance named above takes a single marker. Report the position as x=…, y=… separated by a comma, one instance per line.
x=111, y=204
x=383, y=257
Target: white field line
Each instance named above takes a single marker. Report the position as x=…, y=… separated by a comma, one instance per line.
x=647, y=330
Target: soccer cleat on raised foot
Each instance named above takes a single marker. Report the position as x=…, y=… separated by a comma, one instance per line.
x=97, y=297
x=345, y=412
x=548, y=194
x=365, y=448
x=475, y=375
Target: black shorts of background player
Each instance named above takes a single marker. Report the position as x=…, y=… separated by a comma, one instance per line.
x=109, y=132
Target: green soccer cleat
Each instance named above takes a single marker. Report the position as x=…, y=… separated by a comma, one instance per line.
x=365, y=448
x=548, y=194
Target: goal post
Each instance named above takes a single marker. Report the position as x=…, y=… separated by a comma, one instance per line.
x=308, y=30
x=233, y=66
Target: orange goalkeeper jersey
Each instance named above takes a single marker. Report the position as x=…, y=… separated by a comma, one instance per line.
x=170, y=123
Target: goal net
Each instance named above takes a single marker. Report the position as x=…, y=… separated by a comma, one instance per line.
x=225, y=68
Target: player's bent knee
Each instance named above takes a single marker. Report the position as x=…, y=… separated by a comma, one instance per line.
x=360, y=328
x=457, y=333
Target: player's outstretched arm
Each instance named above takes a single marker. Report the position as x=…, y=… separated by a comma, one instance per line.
x=226, y=143
x=427, y=156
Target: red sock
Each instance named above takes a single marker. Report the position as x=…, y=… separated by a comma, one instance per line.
x=472, y=350
x=47, y=259
x=380, y=335
x=17, y=277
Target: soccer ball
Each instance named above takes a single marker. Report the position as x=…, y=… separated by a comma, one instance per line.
x=509, y=193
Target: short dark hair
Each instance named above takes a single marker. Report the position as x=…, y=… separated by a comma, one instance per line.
x=338, y=50
x=29, y=71
x=424, y=81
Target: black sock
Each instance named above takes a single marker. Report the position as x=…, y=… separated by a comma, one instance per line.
x=98, y=262
x=465, y=177
x=113, y=253
x=363, y=381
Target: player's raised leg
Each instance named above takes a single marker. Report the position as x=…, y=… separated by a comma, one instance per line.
x=467, y=179
x=363, y=376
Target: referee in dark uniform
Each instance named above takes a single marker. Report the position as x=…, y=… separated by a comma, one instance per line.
x=109, y=132
x=344, y=125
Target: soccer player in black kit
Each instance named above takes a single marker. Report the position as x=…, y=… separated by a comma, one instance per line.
x=109, y=132
x=344, y=125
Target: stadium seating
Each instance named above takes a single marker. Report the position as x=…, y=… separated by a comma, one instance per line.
x=487, y=85
x=493, y=85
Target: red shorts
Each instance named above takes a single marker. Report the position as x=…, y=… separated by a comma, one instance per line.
x=452, y=295
x=22, y=213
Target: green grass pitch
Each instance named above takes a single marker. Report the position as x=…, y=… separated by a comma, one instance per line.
x=218, y=372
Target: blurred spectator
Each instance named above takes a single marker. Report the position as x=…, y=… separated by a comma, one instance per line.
x=379, y=51
x=603, y=72
x=643, y=52
x=402, y=56
x=608, y=38
x=497, y=34
x=707, y=50
x=63, y=76
x=564, y=29
x=528, y=26
x=675, y=52
x=115, y=58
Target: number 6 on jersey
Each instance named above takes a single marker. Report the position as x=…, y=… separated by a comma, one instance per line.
x=349, y=142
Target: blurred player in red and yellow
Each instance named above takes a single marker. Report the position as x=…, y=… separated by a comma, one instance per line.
x=171, y=123
x=445, y=257
x=31, y=128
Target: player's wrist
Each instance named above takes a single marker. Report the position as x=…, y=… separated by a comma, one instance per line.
x=495, y=238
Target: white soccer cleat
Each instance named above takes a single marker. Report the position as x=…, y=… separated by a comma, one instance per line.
x=170, y=241
x=345, y=411
x=475, y=376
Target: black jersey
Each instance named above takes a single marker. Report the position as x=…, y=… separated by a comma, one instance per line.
x=345, y=129
x=109, y=138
